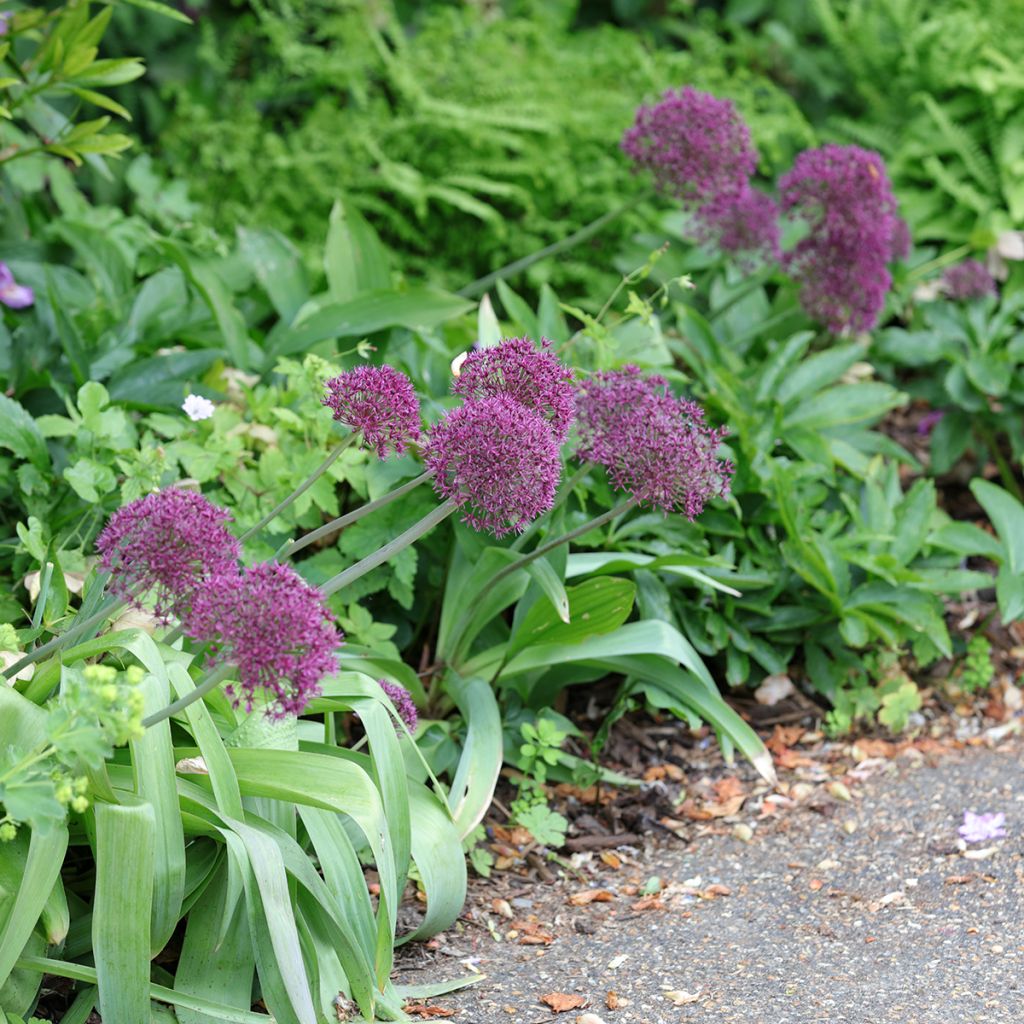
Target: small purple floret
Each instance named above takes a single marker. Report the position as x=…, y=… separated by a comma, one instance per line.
x=844, y=195
x=656, y=447
x=498, y=460
x=12, y=294
x=533, y=377
x=743, y=223
x=274, y=627
x=696, y=146
x=980, y=828
x=166, y=544
x=968, y=280
x=381, y=402
x=403, y=702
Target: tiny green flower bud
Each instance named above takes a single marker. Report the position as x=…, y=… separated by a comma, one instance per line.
x=8, y=831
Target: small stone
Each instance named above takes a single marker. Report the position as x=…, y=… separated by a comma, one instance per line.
x=744, y=833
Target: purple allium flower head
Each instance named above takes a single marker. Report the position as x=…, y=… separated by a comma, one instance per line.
x=12, y=294
x=745, y=223
x=378, y=400
x=166, y=544
x=533, y=377
x=276, y=630
x=968, y=280
x=400, y=697
x=979, y=828
x=696, y=145
x=844, y=195
x=498, y=460
x=655, y=446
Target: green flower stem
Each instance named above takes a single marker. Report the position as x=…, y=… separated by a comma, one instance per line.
x=563, y=493
x=538, y=552
x=1006, y=473
x=302, y=488
x=210, y=681
x=939, y=262
x=482, y=284
x=108, y=608
x=350, y=517
x=389, y=550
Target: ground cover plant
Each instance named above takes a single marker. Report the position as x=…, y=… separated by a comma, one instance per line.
x=305, y=537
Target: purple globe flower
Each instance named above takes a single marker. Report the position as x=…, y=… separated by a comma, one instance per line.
x=968, y=280
x=403, y=702
x=166, y=544
x=275, y=629
x=744, y=223
x=533, y=377
x=498, y=460
x=379, y=401
x=696, y=145
x=656, y=447
x=844, y=195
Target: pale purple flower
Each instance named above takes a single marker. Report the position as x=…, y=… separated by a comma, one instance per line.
x=696, y=145
x=5, y=17
x=929, y=421
x=496, y=459
x=403, y=702
x=533, y=377
x=744, y=223
x=968, y=280
x=274, y=627
x=844, y=195
x=379, y=401
x=197, y=408
x=656, y=447
x=980, y=828
x=166, y=544
x=12, y=294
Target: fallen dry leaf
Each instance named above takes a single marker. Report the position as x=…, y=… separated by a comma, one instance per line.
x=649, y=903
x=657, y=772
x=784, y=736
x=422, y=1010
x=960, y=879
x=562, y=1002
x=611, y=860
x=589, y=1018
x=715, y=890
x=503, y=907
x=816, y=884
x=611, y=1000
x=581, y=899
x=681, y=998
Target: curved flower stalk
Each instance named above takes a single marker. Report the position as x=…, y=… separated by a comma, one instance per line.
x=534, y=377
x=844, y=195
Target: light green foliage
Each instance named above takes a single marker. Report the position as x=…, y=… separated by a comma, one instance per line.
x=540, y=751
x=880, y=688
x=977, y=670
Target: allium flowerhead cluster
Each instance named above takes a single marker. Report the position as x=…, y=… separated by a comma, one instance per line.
x=844, y=195
x=695, y=145
x=968, y=280
x=656, y=447
x=380, y=402
x=403, y=702
x=743, y=223
x=275, y=629
x=498, y=460
x=534, y=377
x=166, y=545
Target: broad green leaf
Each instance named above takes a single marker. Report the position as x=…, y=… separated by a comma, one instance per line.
x=355, y=261
x=1006, y=514
x=277, y=265
x=482, y=752
x=843, y=405
x=19, y=434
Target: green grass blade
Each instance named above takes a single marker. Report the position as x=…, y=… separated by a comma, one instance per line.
x=122, y=909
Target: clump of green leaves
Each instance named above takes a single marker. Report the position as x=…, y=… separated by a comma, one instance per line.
x=540, y=750
x=882, y=689
x=99, y=708
x=977, y=670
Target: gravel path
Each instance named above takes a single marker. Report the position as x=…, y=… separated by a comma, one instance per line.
x=872, y=916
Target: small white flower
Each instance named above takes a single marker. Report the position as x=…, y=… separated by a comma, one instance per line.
x=197, y=408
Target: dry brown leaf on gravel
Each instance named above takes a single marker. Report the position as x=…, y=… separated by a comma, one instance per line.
x=424, y=1011
x=784, y=736
x=657, y=772
x=649, y=903
x=562, y=1002
x=681, y=998
x=611, y=860
x=715, y=890
x=611, y=1000
x=581, y=899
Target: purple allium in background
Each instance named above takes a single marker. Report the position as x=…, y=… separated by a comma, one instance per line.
x=276, y=630
x=399, y=696
x=12, y=294
x=166, y=544
x=696, y=145
x=979, y=828
x=655, y=446
x=379, y=401
x=745, y=223
x=968, y=280
x=901, y=240
x=929, y=421
x=498, y=460
x=844, y=195
x=533, y=377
